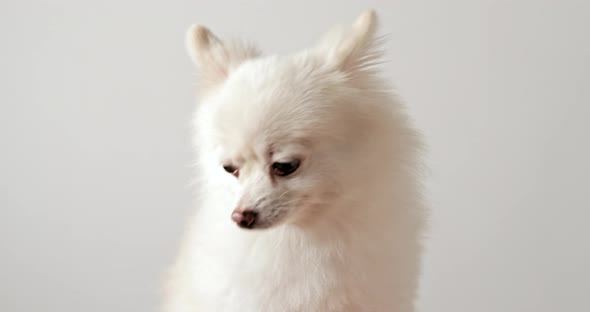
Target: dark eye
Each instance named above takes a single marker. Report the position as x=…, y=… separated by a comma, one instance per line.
x=283, y=169
x=231, y=169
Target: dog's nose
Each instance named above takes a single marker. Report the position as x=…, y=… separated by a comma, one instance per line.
x=244, y=218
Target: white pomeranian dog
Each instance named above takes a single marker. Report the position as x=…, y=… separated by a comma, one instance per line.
x=308, y=193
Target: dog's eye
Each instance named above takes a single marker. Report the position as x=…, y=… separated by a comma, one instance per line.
x=283, y=169
x=231, y=169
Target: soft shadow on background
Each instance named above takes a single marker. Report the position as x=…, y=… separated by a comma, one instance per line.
x=95, y=154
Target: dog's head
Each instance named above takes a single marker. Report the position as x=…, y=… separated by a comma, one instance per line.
x=286, y=133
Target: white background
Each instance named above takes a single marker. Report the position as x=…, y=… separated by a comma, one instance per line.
x=96, y=98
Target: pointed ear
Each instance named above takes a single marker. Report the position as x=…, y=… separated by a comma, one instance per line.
x=353, y=48
x=216, y=59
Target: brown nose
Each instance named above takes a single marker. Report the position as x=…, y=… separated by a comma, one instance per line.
x=244, y=218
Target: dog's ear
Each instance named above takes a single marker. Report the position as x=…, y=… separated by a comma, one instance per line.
x=215, y=58
x=355, y=48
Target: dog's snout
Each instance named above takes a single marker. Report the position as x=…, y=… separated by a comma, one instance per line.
x=245, y=218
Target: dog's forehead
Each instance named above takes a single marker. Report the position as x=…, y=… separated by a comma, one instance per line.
x=267, y=95
x=273, y=104
x=263, y=139
x=276, y=75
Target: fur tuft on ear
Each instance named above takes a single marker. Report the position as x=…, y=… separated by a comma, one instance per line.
x=215, y=58
x=355, y=48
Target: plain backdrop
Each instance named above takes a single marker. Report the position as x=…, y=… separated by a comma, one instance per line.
x=95, y=148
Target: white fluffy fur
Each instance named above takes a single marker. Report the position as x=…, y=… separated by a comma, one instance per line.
x=342, y=233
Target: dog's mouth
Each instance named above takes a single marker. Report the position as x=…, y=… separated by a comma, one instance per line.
x=260, y=225
x=257, y=225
